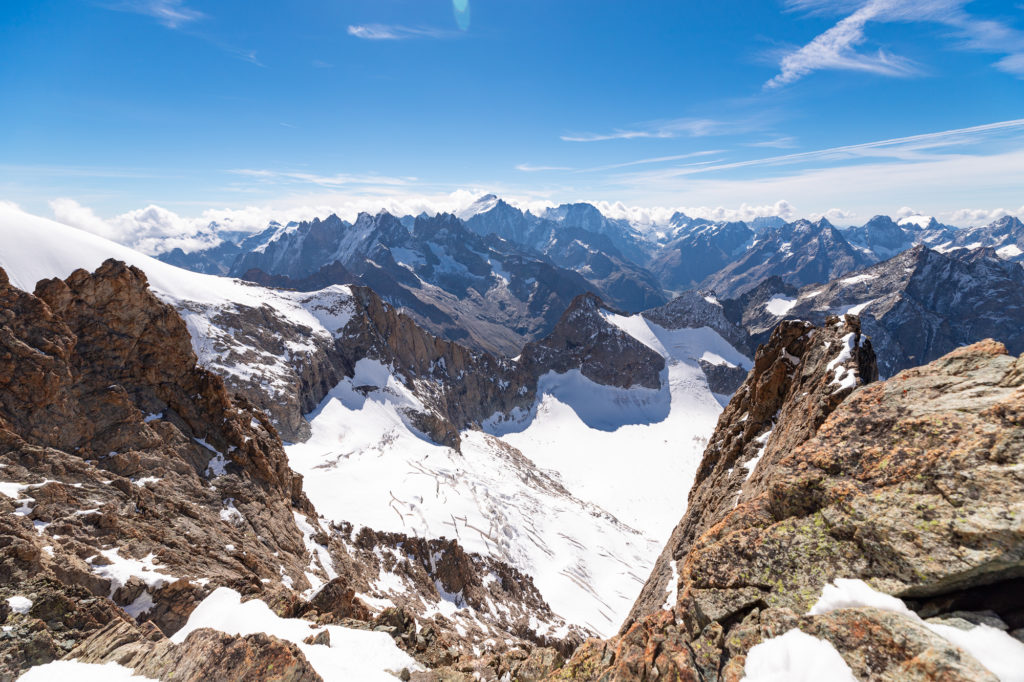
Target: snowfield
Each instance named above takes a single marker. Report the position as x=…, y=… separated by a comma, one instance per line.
x=605, y=442
x=351, y=655
x=365, y=464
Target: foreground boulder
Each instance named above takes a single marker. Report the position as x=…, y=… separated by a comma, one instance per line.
x=911, y=486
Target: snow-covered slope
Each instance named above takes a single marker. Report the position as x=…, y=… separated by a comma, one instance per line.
x=365, y=464
x=634, y=451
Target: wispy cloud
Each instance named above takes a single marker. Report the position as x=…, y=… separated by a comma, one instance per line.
x=782, y=142
x=836, y=48
x=337, y=180
x=170, y=13
x=175, y=14
x=246, y=56
x=530, y=168
x=680, y=127
x=396, y=32
x=652, y=160
x=907, y=148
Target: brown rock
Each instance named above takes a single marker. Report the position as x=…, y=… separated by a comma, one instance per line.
x=908, y=484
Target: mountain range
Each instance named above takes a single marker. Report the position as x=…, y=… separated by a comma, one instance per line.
x=500, y=445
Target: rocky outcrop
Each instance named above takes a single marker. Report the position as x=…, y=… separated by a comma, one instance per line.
x=909, y=484
x=583, y=339
x=129, y=472
x=790, y=391
x=204, y=655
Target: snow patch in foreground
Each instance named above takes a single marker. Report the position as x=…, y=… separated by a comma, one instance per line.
x=352, y=655
x=19, y=604
x=81, y=672
x=795, y=657
x=999, y=652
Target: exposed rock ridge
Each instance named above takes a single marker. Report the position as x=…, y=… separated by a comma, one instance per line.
x=459, y=387
x=787, y=395
x=583, y=339
x=911, y=485
x=117, y=450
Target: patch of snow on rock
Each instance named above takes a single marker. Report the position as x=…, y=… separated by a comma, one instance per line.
x=795, y=657
x=352, y=654
x=996, y=650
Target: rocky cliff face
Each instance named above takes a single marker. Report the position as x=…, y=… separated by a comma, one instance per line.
x=603, y=353
x=909, y=485
x=128, y=470
x=798, y=378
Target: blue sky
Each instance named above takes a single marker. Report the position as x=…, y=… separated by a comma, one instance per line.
x=248, y=108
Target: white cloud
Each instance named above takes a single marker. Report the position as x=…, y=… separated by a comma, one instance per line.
x=977, y=216
x=337, y=180
x=395, y=32
x=689, y=127
x=781, y=142
x=907, y=148
x=151, y=230
x=836, y=47
x=70, y=212
x=1013, y=63
x=657, y=159
x=170, y=13
x=530, y=168
x=836, y=216
x=943, y=184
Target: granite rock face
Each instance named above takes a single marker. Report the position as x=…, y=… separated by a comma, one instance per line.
x=910, y=485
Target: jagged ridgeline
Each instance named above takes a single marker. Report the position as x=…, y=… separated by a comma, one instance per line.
x=209, y=478
x=842, y=527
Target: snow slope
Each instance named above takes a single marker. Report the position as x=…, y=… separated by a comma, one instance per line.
x=365, y=464
x=632, y=451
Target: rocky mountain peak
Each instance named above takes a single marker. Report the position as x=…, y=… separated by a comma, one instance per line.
x=679, y=219
x=584, y=339
x=100, y=396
